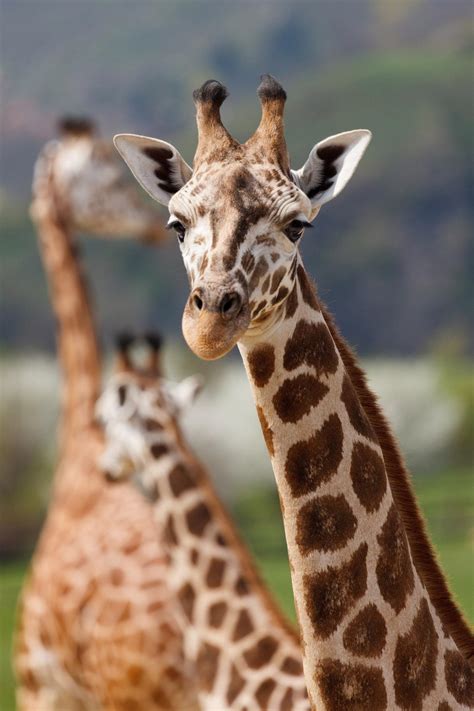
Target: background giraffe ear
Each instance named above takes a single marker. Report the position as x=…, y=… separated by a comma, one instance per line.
x=157, y=165
x=331, y=164
x=184, y=393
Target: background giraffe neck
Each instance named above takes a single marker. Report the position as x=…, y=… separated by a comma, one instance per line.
x=76, y=338
x=245, y=652
x=352, y=572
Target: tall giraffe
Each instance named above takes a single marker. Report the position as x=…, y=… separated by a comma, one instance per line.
x=244, y=654
x=97, y=623
x=379, y=627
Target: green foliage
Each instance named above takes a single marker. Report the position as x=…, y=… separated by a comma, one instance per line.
x=11, y=577
x=392, y=255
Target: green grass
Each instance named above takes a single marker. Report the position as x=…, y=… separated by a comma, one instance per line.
x=447, y=500
x=11, y=577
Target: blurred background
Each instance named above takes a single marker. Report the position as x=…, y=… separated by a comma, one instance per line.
x=392, y=256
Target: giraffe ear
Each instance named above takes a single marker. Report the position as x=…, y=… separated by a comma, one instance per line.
x=331, y=164
x=157, y=165
x=185, y=392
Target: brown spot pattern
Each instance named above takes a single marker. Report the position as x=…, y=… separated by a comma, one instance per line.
x=169, y=532
x=356, y=414
x=180, y=480
x=297, y=396
x=414, y=663
x=366, y=634
x=261, y=362
x=282, y=293
x=368, y=476
x=187, y=597
x=198, y=518
x=264, y=691
x=248, y=261
x=394, y=569
x=287, y=701
x=444, y=706
x=243, y=626
x=261, y=268
x=153, y=425
x=241, y=586
x=261, y=652
x=351, y=687
x=291, y=303
x=158, y=450
x=311, y=462
x=277, y=277
x=325, y=523
x=330, y=594
x=311, y=344
x=291, y=666
x=308, y=291
x=266, y=430
x=459, y=677
x=216, y=614
x=206, y=665
x=235, y=686
x=215, y=573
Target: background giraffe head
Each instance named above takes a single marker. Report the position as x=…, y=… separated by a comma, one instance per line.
x=240, y=212
x=80, y=178
x=140, y=410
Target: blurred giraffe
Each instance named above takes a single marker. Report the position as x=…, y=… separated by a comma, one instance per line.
x=97, y=626
x=245, y=654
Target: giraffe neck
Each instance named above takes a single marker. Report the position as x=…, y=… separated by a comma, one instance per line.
x=78, y=350
x=364, y=612
x=246, y=655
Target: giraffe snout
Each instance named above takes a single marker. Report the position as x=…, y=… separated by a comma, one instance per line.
x=214, y=319
x=228, y=304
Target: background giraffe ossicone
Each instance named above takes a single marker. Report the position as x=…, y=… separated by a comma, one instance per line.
x=96, y=622
x=379, y=627
x=244, y=654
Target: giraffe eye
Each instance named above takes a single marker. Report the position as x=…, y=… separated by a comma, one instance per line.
x=295, y=229
x=179, y=228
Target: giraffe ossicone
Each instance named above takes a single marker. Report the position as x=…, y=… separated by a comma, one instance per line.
x=239, y=214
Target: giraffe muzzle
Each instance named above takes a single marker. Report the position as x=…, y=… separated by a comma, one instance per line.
x=214, y=320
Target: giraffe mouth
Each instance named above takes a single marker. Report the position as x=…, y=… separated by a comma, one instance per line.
x=209, y=335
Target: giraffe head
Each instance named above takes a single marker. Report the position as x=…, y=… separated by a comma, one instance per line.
x=80, y=178
x=240, y=212
x=141, y=411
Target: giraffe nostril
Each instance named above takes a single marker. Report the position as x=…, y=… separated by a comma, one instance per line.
x=198, y=302
x=230, y=305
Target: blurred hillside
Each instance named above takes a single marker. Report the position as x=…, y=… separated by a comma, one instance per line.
x=391, y=256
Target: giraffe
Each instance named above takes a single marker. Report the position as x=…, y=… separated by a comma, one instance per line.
x=244, y=653
x=379, y=627
x=97, y=625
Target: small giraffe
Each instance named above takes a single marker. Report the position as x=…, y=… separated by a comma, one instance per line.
x=244, y=654
x=97, y=623
x=379, y=627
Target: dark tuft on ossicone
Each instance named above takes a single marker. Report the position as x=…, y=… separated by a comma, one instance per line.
x=270, y=89
x=75, y=126
x=153, y=339
x=124, y=340
x=212, y=91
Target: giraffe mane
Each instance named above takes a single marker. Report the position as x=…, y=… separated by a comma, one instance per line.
x=424, y=555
